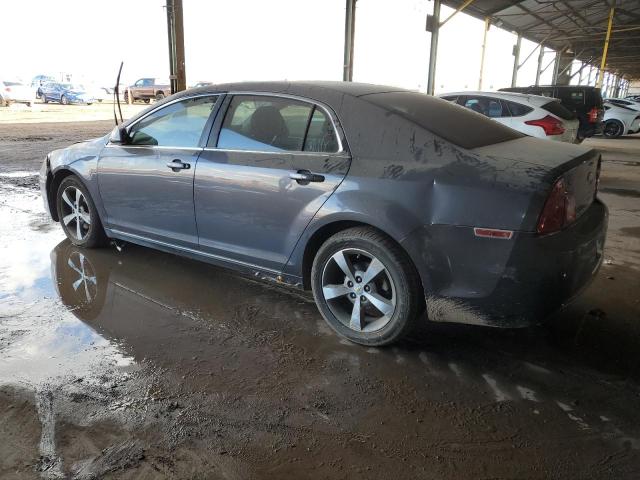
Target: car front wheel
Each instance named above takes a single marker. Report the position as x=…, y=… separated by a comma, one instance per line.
x=64, y=100
x=78, y=214
x=366, y=287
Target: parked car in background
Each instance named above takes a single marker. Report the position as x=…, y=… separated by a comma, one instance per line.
x=584, y=101
x=624, y=103
x=201, y=84
x=65, y=93
x=146, y=89
x=532, y=115
x=635, y=98
x=620, y=120
x=382, y=201
x=15, y=92
x=38, y=81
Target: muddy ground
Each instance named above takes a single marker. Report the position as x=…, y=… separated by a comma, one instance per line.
x=137, y=364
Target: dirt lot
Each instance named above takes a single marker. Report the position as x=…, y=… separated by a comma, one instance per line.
x=137, y=364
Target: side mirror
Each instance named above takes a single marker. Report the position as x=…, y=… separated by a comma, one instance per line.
x=119, y=135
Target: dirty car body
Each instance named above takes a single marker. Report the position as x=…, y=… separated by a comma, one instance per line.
x=502, y=229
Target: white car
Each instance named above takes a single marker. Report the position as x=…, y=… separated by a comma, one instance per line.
x=16, y=92
x=533, y=115
x=634, y=104
x=619, y=120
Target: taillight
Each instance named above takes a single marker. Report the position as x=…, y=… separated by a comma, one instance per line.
x=559, y=209
x=7, y=89
x=551, y=125
x=594, y=113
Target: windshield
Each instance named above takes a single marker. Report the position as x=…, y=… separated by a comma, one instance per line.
x=454, y=123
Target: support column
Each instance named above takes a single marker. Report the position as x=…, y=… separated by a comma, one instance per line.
x=487, y=24
x=516, y=60
x=433, y=52
x=349, y=37
x=562, y=74
x=175, y=26
x=540, y=60
x=603, y=63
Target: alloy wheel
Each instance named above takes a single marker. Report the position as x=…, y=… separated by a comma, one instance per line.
x=358, y=290
x=75, y=213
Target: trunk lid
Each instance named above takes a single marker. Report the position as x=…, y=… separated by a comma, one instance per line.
x=578, y=165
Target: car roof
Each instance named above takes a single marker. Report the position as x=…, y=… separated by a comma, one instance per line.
x=526, y=97
x=302, y=88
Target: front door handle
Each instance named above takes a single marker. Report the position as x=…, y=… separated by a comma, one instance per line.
x=304, y=177
x=177, y=165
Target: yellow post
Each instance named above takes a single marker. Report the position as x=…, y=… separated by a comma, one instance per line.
x=604, y=50
x=487, y=24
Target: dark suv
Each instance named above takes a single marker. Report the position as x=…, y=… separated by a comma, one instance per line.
x=583, y=100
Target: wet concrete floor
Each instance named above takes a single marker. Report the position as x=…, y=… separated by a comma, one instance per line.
x=139, y=364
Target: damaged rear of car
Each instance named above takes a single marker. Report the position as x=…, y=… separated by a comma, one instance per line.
x=513, y=228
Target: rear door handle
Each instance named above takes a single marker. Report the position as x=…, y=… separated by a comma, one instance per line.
x=304, y=177
x=178, y=164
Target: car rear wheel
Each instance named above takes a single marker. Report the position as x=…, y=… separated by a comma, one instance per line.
x=613, y=129
x=64, y=100
x=78, y=214
x=147, y=100
x=366, y=287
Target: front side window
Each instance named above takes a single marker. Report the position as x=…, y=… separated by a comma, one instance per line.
x=177, y=125
x=139, y=82
x=263, y=123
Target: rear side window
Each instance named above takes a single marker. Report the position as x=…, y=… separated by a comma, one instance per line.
x=517, y=109
x=456, y=125
x=559, y=111
x=272, y=124
x=321, y=137
x=450, y=98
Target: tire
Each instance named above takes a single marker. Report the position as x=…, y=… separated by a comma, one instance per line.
x=147, y=100
x=64, y=100
x=159, y=96
x=44, y=98
x=613, y=129
x=396, y=287
x=126, y=97
x=84, y=229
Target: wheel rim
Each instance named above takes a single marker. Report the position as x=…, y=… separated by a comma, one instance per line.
x=86, y=284
x=612, y=129
x=75, y=213
x=358, y=290
x=63, y=100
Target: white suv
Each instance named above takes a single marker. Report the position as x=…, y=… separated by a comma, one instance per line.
x=533, y=115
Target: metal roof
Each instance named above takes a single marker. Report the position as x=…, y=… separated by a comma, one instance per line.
x=579, y=25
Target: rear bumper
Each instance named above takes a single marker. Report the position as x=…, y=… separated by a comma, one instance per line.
x=506, y=283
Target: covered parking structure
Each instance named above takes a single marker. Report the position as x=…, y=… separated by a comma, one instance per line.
x=602, y=35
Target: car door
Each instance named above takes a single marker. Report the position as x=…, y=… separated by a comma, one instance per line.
x=270, y=164
x=146, y=184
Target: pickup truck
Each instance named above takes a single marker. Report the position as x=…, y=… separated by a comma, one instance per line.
x=147, y=88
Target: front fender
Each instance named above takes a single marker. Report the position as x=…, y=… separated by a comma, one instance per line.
x=80, y=160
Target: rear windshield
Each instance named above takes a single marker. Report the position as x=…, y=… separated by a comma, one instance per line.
x=559, y=111
x=458, y=125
